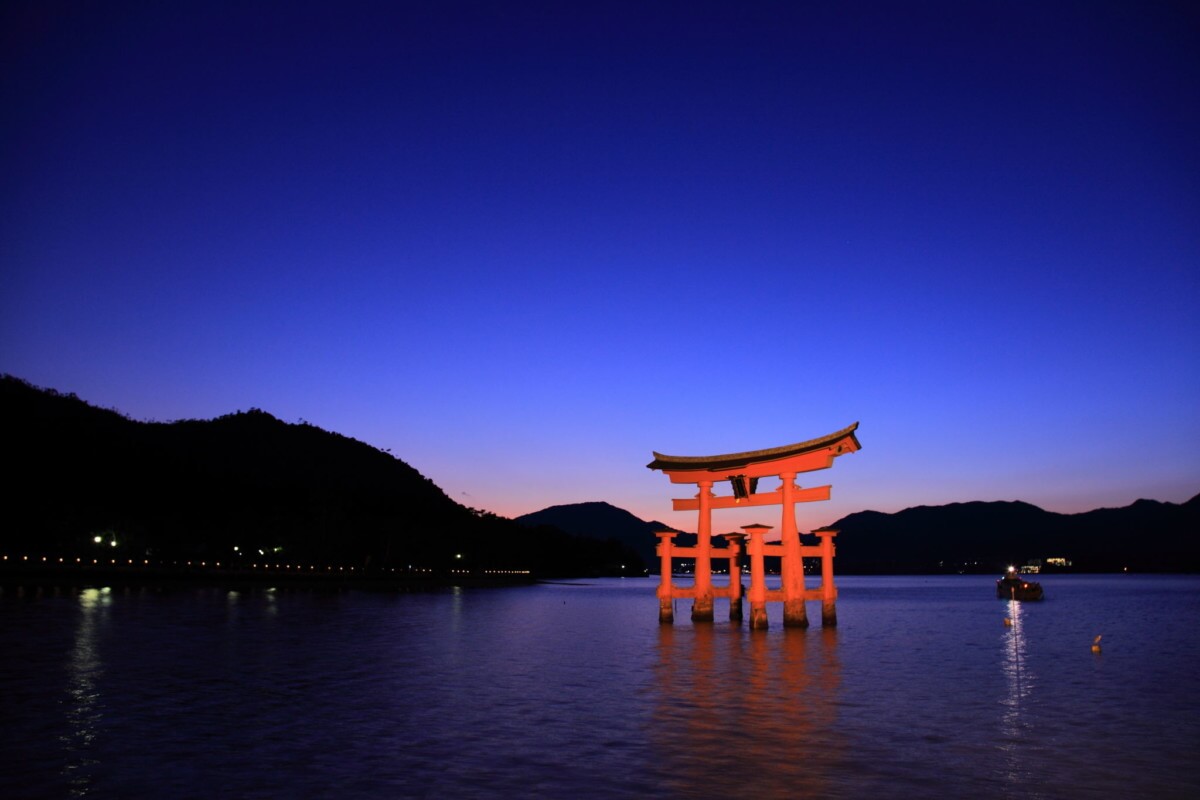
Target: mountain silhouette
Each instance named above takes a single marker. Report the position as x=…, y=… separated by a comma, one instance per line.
x=200, y=488
x=987, y=536
x=599, y=520
x=960, y=537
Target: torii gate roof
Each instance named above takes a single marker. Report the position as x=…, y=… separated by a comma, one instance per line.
x=834, y=444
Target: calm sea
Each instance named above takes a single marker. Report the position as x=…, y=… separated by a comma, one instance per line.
x=575, y=691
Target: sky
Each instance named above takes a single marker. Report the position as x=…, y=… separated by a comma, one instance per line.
x=523, y=245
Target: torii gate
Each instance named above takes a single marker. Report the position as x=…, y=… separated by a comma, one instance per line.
x=743, y=471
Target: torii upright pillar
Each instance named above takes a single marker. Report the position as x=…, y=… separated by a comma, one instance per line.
x=702, y=605
x=794, y=613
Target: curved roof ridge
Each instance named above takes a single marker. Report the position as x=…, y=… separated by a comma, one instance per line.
x=749, y=456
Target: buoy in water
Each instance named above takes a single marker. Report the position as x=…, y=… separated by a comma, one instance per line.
x=1007, y=622
x=1096, y=644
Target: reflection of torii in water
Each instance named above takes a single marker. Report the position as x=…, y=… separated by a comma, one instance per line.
x=743, y=471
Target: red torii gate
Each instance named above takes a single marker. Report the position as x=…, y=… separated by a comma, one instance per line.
x=743, y=471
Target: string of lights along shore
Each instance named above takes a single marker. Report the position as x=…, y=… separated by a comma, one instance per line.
x=743, y=471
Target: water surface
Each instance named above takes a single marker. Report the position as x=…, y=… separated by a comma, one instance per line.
x=574, y=690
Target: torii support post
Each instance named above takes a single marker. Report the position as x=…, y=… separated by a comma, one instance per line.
x=828, y=590
x=736, y=541
x=758, y=576
x=666, y=612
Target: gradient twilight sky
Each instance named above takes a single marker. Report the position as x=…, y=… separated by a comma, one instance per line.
x=523, y=245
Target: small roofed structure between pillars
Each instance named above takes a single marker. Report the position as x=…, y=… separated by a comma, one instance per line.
x=743, y=471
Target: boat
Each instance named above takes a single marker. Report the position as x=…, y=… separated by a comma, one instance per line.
x=1013, y=587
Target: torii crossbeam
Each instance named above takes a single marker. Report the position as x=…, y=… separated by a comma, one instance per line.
x=743, y=471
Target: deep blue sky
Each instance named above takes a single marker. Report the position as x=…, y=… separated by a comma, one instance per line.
x=523, y=245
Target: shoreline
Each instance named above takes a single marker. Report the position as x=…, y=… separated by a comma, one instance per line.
x=37, y=573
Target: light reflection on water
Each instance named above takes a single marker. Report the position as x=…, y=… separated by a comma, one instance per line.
x=576, y=691
x=83, y=705
x=737, y=711
x=1020, y=682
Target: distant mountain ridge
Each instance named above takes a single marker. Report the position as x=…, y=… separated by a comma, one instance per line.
x=960, y=537
x=197, y=488
x=200, y=488
x=600, y=520
x=1145, y=536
